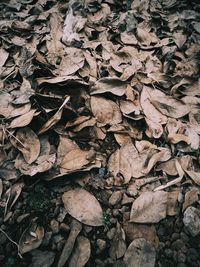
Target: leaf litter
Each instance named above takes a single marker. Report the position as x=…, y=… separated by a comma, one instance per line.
x=99, y=97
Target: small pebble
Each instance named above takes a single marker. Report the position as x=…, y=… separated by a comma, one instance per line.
x=47, y=238
x=178, y=244
x=57, y=238
x=181, y=257
x=54, y=225
x=3, y=239
x=115, y=198
x=191, y=220
x=127, y=200
x=64, y=227
x=116, y=213
x=110, y=234
x=181, y=264
x=175, y=236
x=113, y=220
x=168, y=253
x=101, y=244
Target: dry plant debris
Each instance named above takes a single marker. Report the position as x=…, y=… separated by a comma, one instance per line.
x=99, y=133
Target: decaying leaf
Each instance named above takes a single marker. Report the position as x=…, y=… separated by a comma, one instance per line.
x=140, y=253
x=109, y=85
x=22, y=120
x=83, y=206
x=128, y=162
x=105, y=111
x=149, y=207
x=28, y=143
x=31, y=238
x=81, y=254
x=54, y=119
x=118, y=245
x=191, y=197
x=146, y=231
x=68, y=247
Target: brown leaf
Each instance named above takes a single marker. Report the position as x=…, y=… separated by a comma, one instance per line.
x=12, y=194
x=76, y=160
x=81, y=254
x=148, y=108
x=176, y=138
x=28, y=144
x=105, y=111
x=128, y=162
x=191, y=197
x=140, y=253
x=146, y=231
x=195, y=176
x=22, y=120
x=31, y=238
x=149, y=207
x=75, y=229
x=3, y=56
x=118, y=245
x=109, y=85
x=83, y=206
x=72, y=62
x=54, y=119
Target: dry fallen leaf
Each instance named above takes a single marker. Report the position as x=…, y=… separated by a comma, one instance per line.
x=118, y=245
x=146, y=231
x=28, y=143
x=105, y=111
x=31, y=238
x=83, y=206
x=54, y=119
x=109, y=85
x=191, y=197
x=140, y=253
x=81, y=254
x=22, y=120
x=149, y=207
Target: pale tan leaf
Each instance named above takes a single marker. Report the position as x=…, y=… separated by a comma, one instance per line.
x=30, y=241
x=109, y=85
x=76, y=159
x=191, y=197
x=140, y=253
x=118, y=245
x=149, y=110
x=128, y=162
x=135, y=230
x=72, y=62
x=22, y=120
x=42, y=164
x=149, y=207
x=105, y=111
x=83, y=206
x=1, y=188
x=195, y=176
x=29, y=144
x=3, y=56
x=173, y=207
x=145, y=37
x=54, y=119
x=81, y=254
x=176, y=138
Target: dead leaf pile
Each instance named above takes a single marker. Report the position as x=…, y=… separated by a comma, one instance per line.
x=102, y=89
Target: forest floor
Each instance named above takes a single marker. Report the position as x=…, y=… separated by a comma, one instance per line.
x=99, y=133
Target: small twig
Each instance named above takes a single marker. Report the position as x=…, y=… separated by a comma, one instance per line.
x=10, y=239
x=15, y=138
x=175, y=181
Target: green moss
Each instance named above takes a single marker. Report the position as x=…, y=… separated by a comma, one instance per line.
x=106, y=218
x=38, y=200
